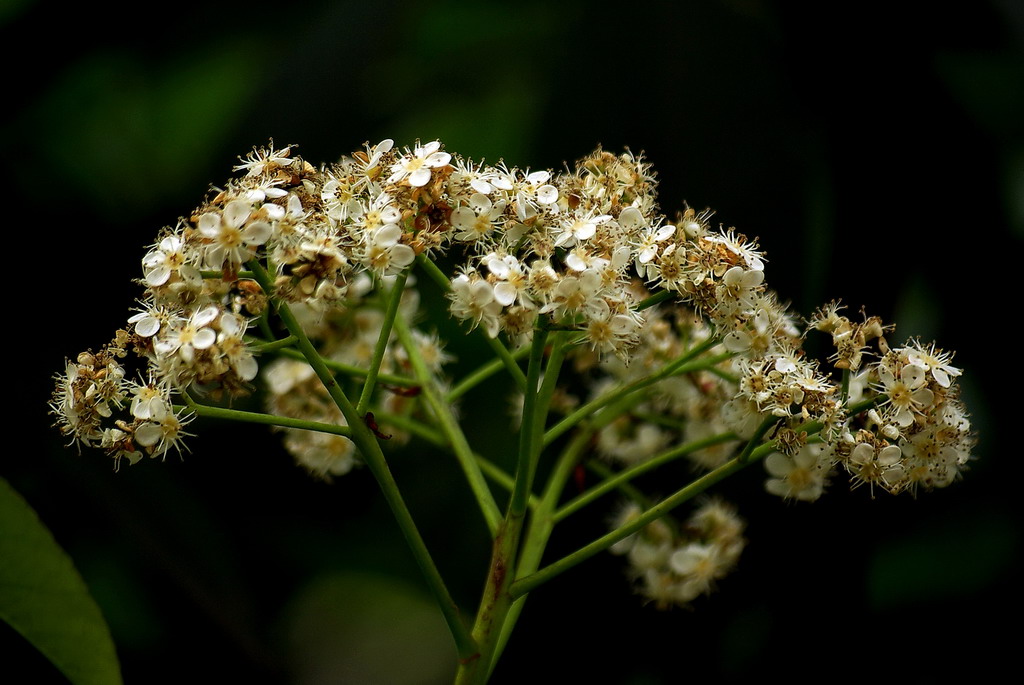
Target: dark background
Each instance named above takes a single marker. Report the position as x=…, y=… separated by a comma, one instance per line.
x=877, y=150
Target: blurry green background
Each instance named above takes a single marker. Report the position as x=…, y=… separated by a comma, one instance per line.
x=876, y=149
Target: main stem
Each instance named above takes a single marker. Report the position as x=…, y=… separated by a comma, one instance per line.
x=496, y=602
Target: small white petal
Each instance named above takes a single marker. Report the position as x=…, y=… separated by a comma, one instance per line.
x=419, y=178
x=148, y=326
x=274, y=212
x=547, y=195
x=203, y=339
x=230, y=324
x=481, y=186
x=247, y=368
x=148, y=434
x=158, y=276
x=257, y=233
x=209, y=224
x=387, y=235
x=237, y=212
x=205, y=315
x=402, y=255
x=438, y=159
x=505, y=293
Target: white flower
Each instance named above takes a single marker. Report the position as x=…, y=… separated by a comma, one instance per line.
x=801, y=476
x=233, y=347
x=233, y=240
x=384, y=253
x=935, y=361
x=473, y=299
x=479, y=219
x=166, y=258
x=416, y=167
x=577, y=228
x=149, y=401
x=512, y=282
x=907, y=393
x=187, y=337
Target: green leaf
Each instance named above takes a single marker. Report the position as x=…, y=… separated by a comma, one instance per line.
x=46, y=601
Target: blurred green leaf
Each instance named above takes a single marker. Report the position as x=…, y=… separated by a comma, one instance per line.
x=46, y=601
x=946, y=561
x=364, y=628
x=121, y=135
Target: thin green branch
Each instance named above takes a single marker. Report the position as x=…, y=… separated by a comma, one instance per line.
x=766, y=425
x=482, y=373
x=654, y=299
x=687, y=363
x=450, y=428
x=491, y=470
x=264, y=419
x=262, y=347
x=417, y=428
x=622, y=477
x=354, y=371
x=394, y=298
x=525, y=585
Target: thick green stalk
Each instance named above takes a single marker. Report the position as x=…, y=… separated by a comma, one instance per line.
x=370, y=450
x=451, y=429
x=528, y=432
x=394, y=299
x=542, y=524
x=496, y=602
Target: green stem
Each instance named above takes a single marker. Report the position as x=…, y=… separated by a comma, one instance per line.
x=355, y=371
x=559, y=349
x=438, y=276
x=273, y=345
x=637, y=470
x=417, y=428
x=451, y=428
x=482, y=373
x=528, y=432
x=496, y=603
x=264, y=419
x=372, y=455
x=394, y=299
x=525, y=585
x=491, y=470
x=654, y=299
x=766, y=425
x=542, y=524
x=679, y=366
x=606, y=473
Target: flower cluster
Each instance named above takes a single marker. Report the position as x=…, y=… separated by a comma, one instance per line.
x=676, y=307
x=98, y=405
x=674, y=564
